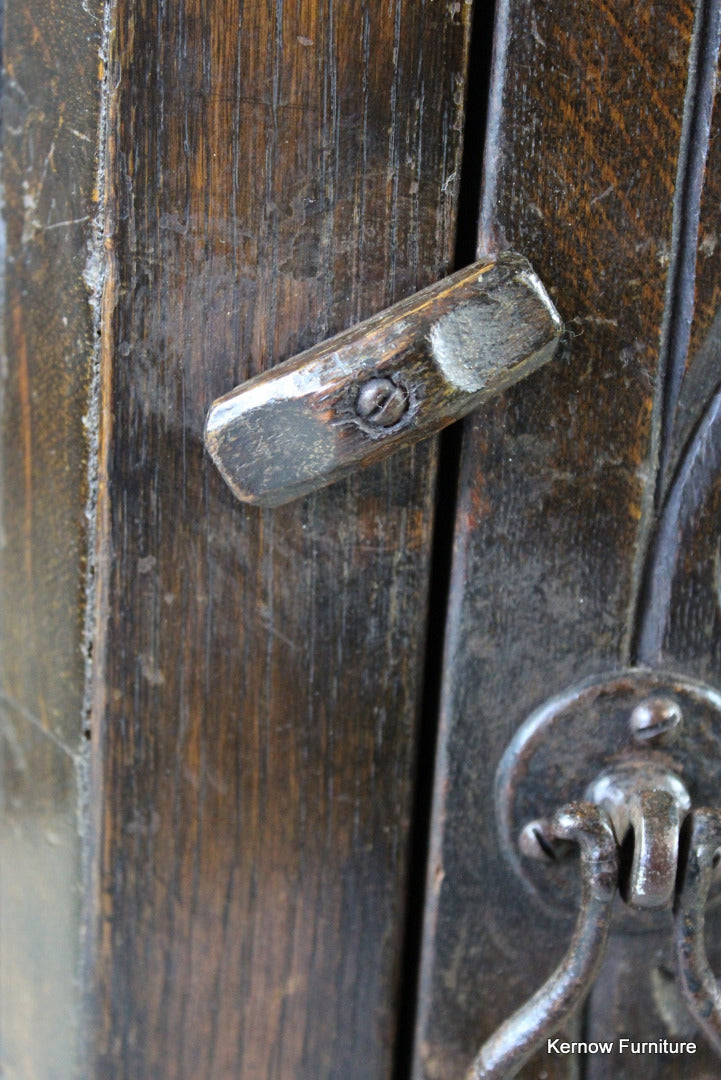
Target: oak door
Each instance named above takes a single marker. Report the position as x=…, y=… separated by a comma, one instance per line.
x=223, y=726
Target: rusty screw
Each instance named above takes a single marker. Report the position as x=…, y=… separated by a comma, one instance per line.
x=655, y=721
x=536, y=841
x=381, y=403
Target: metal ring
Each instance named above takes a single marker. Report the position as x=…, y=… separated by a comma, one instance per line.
x=519, y=1037
x=646, y=798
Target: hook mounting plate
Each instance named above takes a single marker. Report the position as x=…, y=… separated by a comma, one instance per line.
x=568, y=741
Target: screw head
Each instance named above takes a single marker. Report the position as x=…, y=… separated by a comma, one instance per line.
x=381, y=403
x=536, y=841
x=655, y=721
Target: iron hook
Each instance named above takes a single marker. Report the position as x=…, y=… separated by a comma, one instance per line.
x=522, y=1034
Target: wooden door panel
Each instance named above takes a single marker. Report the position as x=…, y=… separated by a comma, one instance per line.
x=275, y=173
x=269, y=174
x=227, y=699
x=556, y=501
x=678, y=616
x=680, y=624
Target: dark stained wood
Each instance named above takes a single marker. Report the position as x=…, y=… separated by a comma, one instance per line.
x=686, y=581
x=50, y=115
x=392, y=380
x=707, y=292
x=637, y=991
x=556, y=491
x=682, y=628
x=694, y=438
x=701, y=374
x=690, y=177
x=679, y=629
x=681, y=620
x=276, y=172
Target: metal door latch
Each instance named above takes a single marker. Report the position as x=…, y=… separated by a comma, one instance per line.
x=643, y=740
x=389, y=381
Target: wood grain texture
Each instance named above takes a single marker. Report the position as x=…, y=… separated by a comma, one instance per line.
x=638, y=991
x=700, y=363
x=557, y=480
x=51, y=103
x=707, y=292
x=681, y=620
x=278, y=171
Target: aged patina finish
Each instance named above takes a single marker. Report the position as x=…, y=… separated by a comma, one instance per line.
x=658, y=854
x=607, y=176
x=219, y=720
x=503, y=1055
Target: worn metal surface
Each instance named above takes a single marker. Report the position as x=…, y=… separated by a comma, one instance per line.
x=583, y=744
x=697, y=981
x=395, y=378
x=647, y=804
x=526, y=1031
x=644, y=804
x=655, y=721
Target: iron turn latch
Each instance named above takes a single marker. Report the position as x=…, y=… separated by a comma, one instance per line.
x=389, y=381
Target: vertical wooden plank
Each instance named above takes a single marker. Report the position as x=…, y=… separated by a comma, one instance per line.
x=708, y=263
x=700, y=377
x=51, y=104
x=557, y=479
x=678, y=618
x=277, y=171
x=684, y=614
